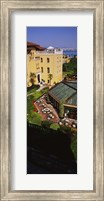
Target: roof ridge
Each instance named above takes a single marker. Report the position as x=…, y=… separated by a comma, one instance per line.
x=70, y=85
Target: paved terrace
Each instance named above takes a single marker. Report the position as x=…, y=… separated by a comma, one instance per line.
x=46, y=111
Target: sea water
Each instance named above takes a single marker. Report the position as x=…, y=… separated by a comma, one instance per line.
x=70, y=53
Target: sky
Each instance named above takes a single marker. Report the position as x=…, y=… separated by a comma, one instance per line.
x=62, y=37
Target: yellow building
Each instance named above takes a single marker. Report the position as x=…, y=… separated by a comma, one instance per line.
x=45, y=65
x=66, y=59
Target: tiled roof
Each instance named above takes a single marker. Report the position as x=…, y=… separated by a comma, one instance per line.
x=31, y=45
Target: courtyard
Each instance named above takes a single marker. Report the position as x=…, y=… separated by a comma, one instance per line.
x=46, y=111
x=49, y=113
x=39, y=109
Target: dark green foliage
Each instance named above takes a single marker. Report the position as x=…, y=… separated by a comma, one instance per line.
x=46, y=124
x=74, y=145
x=34, y=118
x=47, y=99
x=33, y=88
x=45, y=90
x=71, y=66
x=32, y=78
x=30, y=106
x=50, y=76
x=65, y=130
x=61, y=110
x=54, y=126
x=51, y=143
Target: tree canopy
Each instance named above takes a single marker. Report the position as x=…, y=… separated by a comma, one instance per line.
x=70, y=66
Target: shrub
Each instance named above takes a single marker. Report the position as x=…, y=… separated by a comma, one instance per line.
x=30, y=106
x=72, y=65
x=61, y=110
x=74, y=146
x=46, y=124
x=35, y=87
x=54, y=126
x=45, y=90
x=34, y=118
x=65, y=129
x=47, y=99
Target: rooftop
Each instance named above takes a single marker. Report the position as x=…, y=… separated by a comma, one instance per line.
x=42, y=50
x=32, y=46
x=50, y=48
x=65, y=92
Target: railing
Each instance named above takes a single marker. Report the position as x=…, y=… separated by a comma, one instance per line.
x=50, y=52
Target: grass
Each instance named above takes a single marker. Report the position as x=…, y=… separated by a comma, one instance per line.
x=54, y=126
x=30, y=107
x=37, y=94
x=32, y=89
x=34, y=118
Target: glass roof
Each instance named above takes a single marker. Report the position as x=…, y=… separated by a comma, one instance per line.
x=72, y=84
x=62, y=92
x=72, y=100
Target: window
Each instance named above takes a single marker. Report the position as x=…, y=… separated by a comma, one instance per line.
x=37, y=66
x=37, y=58
x=48, y=81
x=48, y=60
x=48, y=70
x=41, y=59
x=42, y=69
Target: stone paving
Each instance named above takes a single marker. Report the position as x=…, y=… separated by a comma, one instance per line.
x=46, y=111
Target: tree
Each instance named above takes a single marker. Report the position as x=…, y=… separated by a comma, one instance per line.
x=70, y=66
x=65, y=130
x=32, y=78
x=74, y=145
x=34, y=118
x=46, y=124
x=61, y=110
x=30, y=106
x=50, y=76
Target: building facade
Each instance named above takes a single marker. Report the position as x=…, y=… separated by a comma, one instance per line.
x=45, y=64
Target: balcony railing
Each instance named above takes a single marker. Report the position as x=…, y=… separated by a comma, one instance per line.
x=53, y=51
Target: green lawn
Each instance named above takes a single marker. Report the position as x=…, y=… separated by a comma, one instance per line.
x=32, y=90
x=34, y=118
x=37, y=94
x=30, y=99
